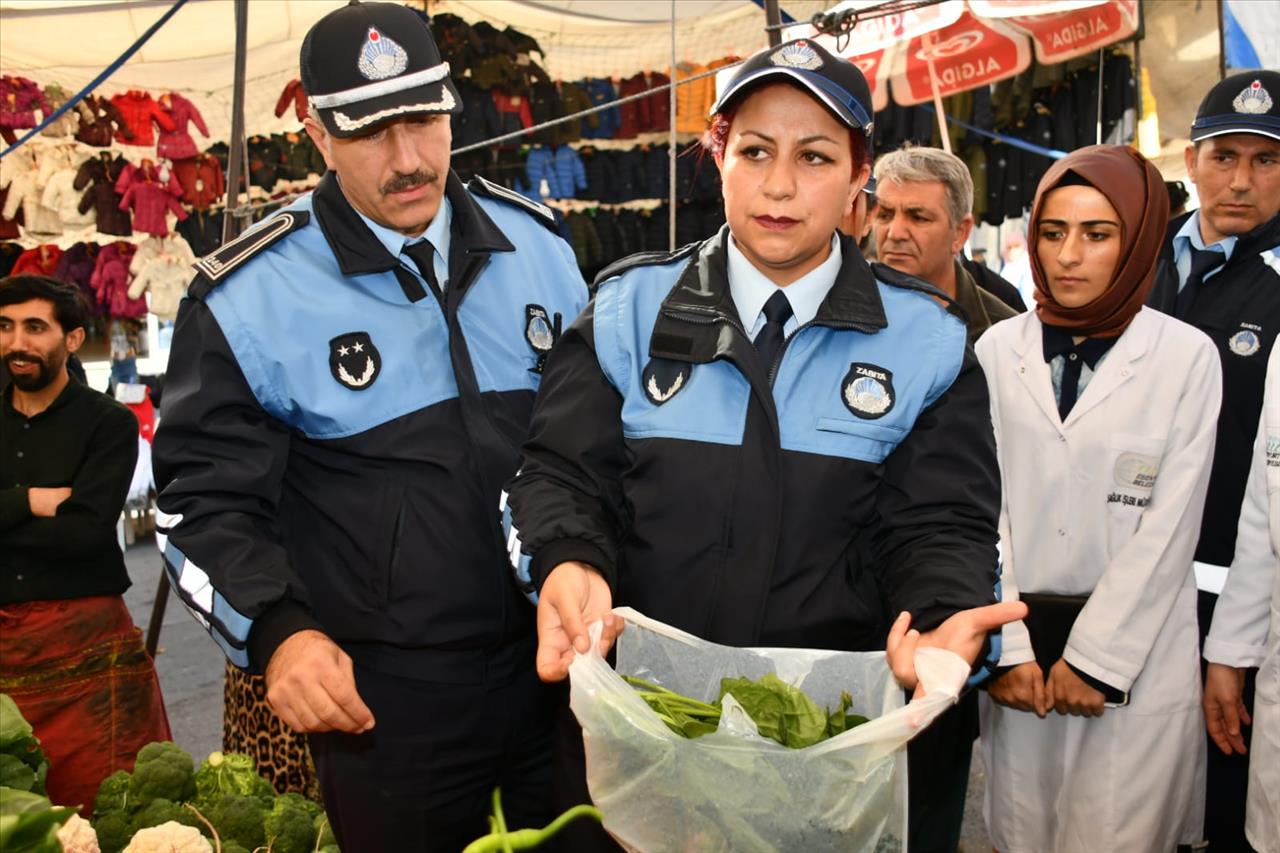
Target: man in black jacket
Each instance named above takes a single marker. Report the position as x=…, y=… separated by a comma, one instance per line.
x=347, y=391
x=69, y=651
x=1220, y=272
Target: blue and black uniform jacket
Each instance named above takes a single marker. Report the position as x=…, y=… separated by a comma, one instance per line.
x=801, y=503
x=336, y=431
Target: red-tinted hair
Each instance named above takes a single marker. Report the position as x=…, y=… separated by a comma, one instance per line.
x=716, y=137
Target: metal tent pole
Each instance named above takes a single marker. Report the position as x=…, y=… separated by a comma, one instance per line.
x=236, y=155
x=671, y=141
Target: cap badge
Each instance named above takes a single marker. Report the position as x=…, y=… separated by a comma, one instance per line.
x=380, y=57
x=797, y=55
x=1253, y=99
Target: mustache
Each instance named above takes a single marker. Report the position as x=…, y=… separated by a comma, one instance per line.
x=412, y=180
x=25, y=356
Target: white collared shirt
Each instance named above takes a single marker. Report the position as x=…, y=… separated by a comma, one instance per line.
x=1188, y=238
x=437, y=232
x=751, y=288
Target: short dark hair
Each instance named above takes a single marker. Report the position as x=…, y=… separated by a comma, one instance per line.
x=68, y=305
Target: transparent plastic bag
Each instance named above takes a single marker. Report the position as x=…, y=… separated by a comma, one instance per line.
x=734, y=790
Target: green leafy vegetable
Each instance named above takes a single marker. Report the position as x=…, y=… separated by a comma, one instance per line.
x=780, y=711
x=19, y=744
x=29, y=822
x=231, y=773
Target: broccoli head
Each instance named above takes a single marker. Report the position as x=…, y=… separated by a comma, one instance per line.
x=289, y=825
x=113, y=794
x=308, y=805
x=231, y=773
x=160, y=811
x=114, y=830
x=163, y=770
x=238, y=818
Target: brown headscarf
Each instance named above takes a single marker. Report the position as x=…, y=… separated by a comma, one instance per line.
x=1136, y=190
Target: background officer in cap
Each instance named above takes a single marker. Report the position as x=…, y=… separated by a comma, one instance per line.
x=761, y=439
x=1220, y=272
x=348, y=389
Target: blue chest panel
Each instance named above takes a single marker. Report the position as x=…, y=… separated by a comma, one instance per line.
x=280, y=313
x=840, y=393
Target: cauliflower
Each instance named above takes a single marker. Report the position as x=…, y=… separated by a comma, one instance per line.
x=77, y=836
x=171, y=837
x=160, y=811
x=163, y=770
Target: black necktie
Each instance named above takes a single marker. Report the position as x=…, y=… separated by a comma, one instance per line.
x=422, y=253
x=1202, y=261
x=777, y=311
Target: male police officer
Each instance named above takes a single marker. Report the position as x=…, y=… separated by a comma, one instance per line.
x=1220, y=272
x=348, y=389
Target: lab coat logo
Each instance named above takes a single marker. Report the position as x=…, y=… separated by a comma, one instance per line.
x=540, y=333
x=1253, y=100
x=354, y=361
x=662, y=379
x=867, y=390
x=1136, y=471
x=1245, y=342
x=380, y=57
x=1273, y=451
x=798, y=55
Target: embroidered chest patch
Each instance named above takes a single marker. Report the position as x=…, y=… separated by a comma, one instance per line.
x=354, y=361
x=663, y=378
x=867, y=390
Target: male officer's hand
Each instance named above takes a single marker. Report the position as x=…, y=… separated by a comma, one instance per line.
x=311, y=685
x=44, y=503
x=573, y=596
x=964, y=633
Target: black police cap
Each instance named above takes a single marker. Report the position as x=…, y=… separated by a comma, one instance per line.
x=834, y=81
x=1242, y=103
x=369, y=63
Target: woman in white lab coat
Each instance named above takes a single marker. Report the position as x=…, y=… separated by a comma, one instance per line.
x=1104, y=413
x=1246, y=631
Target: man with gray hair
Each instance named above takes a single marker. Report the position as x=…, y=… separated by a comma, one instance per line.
x=922, y=220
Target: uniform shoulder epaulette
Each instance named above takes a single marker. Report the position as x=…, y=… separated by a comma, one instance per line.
x=897, y=278
x=1271, y=257
x=642, y=259
x=497, y=192
x=216, y=266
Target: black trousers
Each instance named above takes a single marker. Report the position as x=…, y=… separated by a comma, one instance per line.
x=1227, y=780
x=423, y=778
x=938, y=778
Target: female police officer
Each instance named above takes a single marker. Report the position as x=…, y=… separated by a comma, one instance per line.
x=760, y=438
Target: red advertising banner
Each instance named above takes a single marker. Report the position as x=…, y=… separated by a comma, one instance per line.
x=969, y=53
x=1066, y=35
x=879, y=31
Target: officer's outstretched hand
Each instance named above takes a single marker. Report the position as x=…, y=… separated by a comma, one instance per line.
x=311, y=685
x=963, y=633
x=573, y=596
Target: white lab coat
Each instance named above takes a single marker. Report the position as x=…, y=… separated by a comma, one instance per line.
x=1106, y=505
x=1246, y=630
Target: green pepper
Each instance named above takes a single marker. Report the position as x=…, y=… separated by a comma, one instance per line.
x=501, y=841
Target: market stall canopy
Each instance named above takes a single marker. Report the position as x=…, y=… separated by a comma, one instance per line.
x=957, y=45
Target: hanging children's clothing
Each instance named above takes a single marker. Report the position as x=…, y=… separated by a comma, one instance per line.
x=177, y=144
x=142, y=114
